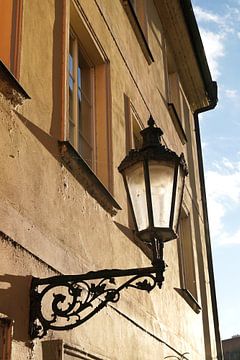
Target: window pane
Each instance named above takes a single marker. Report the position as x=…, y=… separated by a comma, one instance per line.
x=85, y=105
x=71, y=85
x=70, y=60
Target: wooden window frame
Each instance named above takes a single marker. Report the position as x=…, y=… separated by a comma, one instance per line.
x=140, y=9
x=6, y=332
x=76, y=142
x=133, y=124
x=139, y=25
x=77, y=20
x=187, y=266
x=57, y=349
x=175, y=105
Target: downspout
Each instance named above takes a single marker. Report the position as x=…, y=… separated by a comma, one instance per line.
x=213, y=103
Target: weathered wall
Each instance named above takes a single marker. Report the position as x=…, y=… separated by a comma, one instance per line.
x=54, y=219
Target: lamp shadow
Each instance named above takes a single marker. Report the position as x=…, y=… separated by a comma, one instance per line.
x=14, y=303
x=130, y=234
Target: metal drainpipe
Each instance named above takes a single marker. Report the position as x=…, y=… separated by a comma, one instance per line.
x=206, y=226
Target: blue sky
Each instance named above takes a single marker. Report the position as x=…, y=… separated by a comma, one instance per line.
x=219, y=23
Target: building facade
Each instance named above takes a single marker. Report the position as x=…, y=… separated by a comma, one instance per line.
x=231, y=348
x=78, y=81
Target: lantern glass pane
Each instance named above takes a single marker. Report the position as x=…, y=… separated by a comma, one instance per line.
x=161, y=182
x=137, y=190
x=179, y=191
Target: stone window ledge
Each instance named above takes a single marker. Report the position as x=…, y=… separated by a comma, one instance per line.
x=189, y=299
x=10, y=87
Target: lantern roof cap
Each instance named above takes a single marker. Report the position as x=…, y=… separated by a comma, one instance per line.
x=152, y=149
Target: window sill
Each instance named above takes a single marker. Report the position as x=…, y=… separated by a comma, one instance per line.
x=84, y=174
x=189, y=299
x=177, y=123
x=138, y=30
x=10, y=87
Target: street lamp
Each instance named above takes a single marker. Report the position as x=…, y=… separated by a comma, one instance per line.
x=154, y=181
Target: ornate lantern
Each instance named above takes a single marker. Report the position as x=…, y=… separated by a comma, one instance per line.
x=154, y=180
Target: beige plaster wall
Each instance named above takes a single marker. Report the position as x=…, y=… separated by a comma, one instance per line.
x=51, y=215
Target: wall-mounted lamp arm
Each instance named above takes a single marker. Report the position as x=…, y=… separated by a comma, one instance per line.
x=66, y=301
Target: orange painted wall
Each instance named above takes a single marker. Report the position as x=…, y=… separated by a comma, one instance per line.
x=6, y=8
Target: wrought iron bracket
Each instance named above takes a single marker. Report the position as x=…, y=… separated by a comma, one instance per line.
x=66, y=301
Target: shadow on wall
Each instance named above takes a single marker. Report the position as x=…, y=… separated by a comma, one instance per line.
x=57, y=75
x=14, y=303
x=129, y=233
x=45, y=139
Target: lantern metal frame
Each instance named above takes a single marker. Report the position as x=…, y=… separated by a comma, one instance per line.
x=64, y=302
x=153, y=150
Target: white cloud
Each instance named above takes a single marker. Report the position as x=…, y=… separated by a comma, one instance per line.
x=223, y=194
x=231, y=94
x=214, y=48
x=215, y=29
x=205, y=16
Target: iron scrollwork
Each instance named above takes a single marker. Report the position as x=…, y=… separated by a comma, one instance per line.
x=181, y=357
x=66, y=301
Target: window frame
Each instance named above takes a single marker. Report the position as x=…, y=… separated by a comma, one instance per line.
x=133, y=124
x=58, y=348
x=76, y=19
x=140, y=31
x=6, y=333
x=76, y=143
x=186, y=259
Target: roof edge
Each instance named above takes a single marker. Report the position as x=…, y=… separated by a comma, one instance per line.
x=196, y=41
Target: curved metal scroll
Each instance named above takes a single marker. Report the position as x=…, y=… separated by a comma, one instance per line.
x=65, y=302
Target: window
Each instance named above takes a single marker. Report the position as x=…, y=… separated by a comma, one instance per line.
x=139, y=7
x=174, y=93
x=177, y=105
x=59, y=350
x=136, y=11
x=186, y=255
x=81, y=101
x=6, y=326
x=88, y=127
x=10, y=26
x=133, y=126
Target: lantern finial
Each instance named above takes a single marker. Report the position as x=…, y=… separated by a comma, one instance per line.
x=151, y=135
x=151, y=121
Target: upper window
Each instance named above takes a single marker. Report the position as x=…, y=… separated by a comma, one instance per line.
x=10, y=26
x=88, y=124
x=177, y=105
x=137, y=13
x=139, y=7
x=81, y=101
x=186, y=255
x=133, y=126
